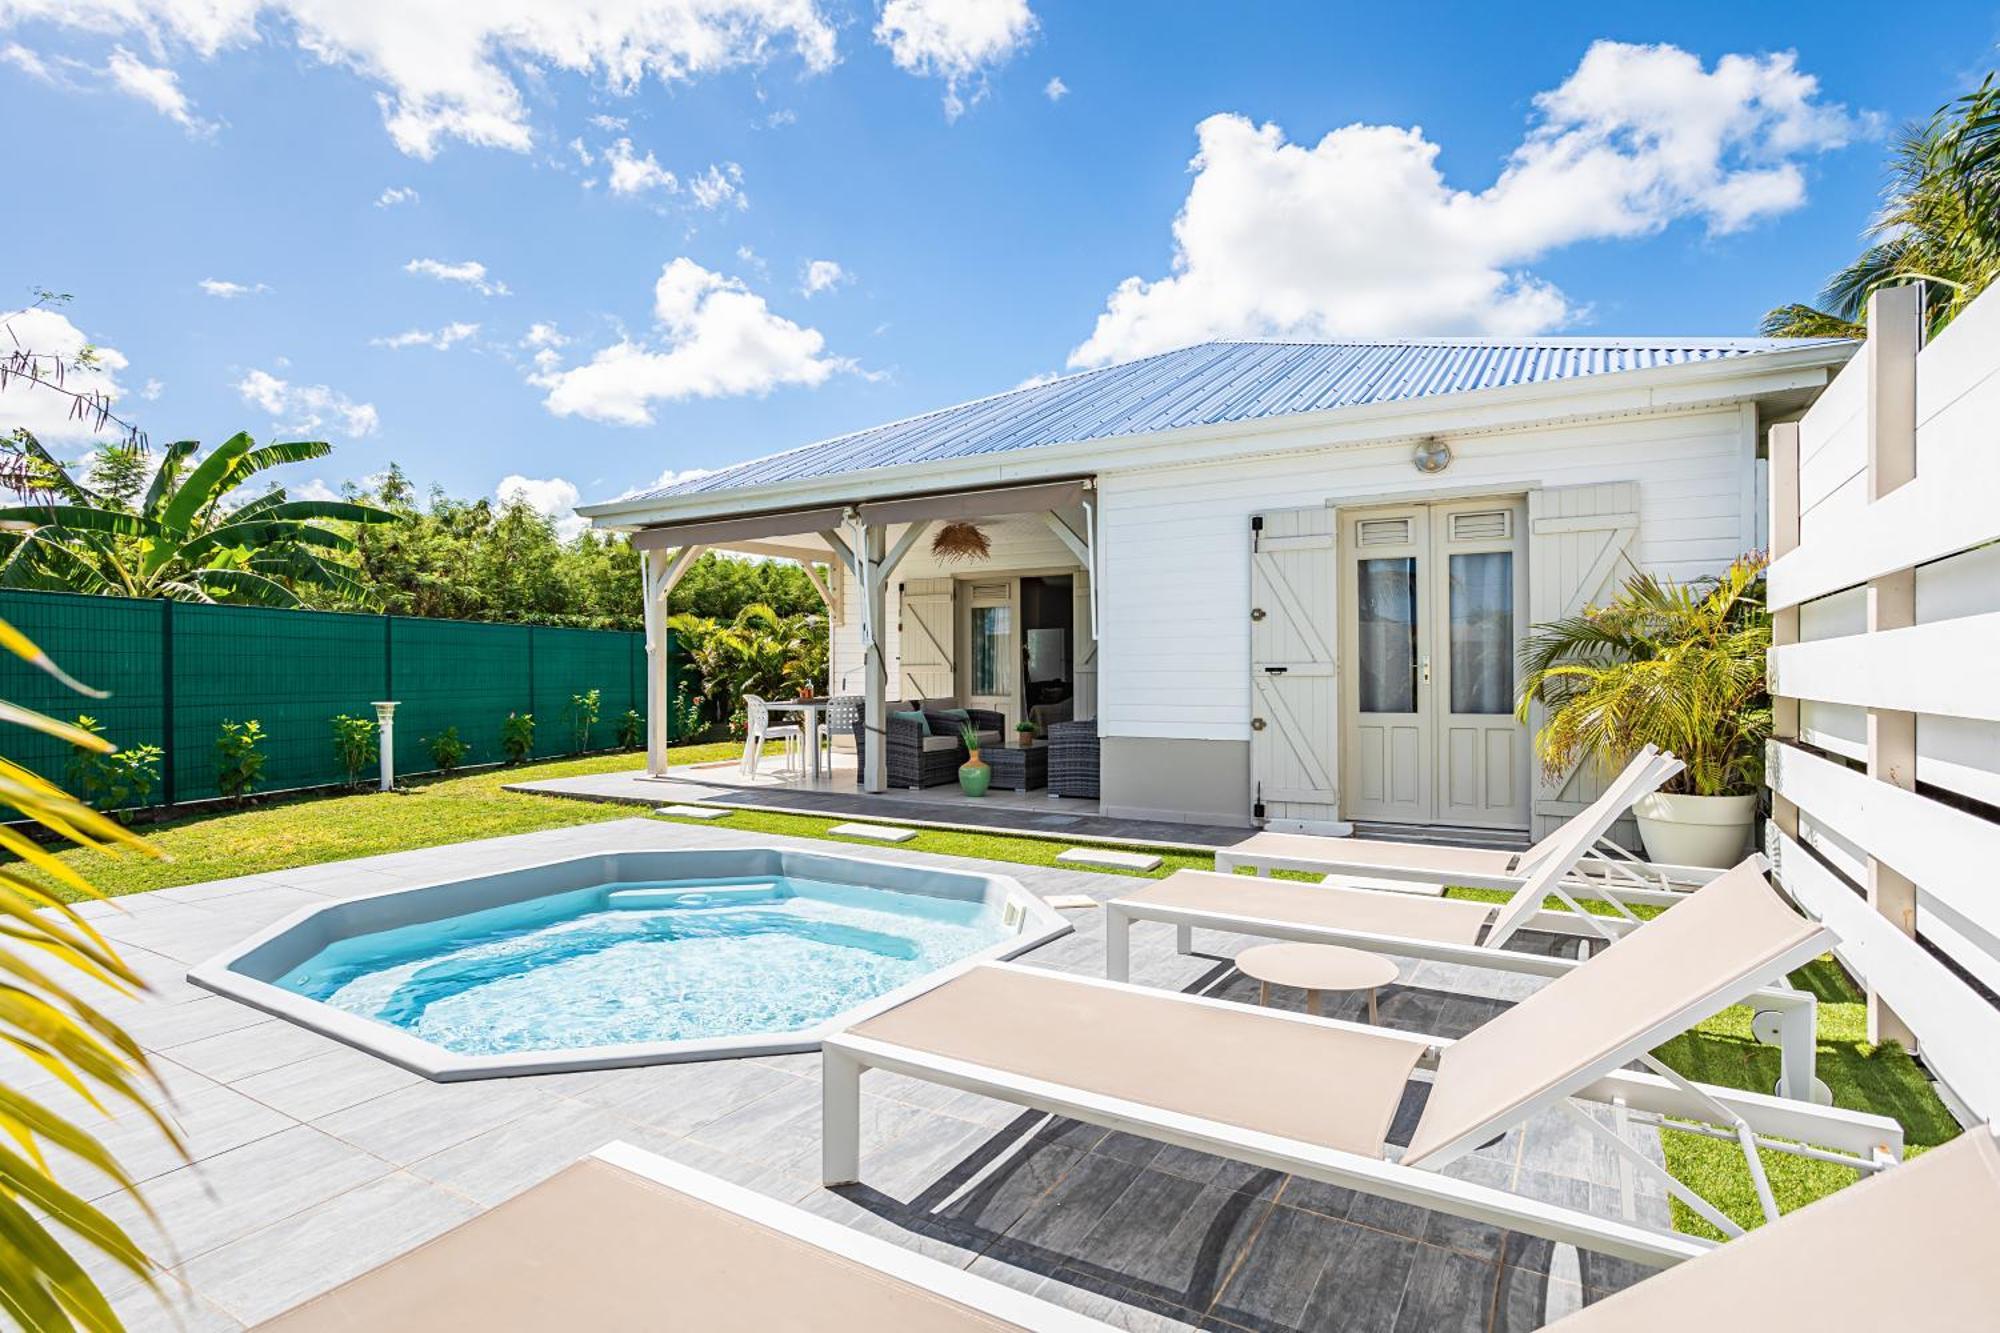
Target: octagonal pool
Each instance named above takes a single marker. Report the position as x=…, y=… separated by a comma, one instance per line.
x=627, y=957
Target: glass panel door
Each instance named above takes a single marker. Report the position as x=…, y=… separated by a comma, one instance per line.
x=1482, y=632
x=1387, y=647
x=991, y=640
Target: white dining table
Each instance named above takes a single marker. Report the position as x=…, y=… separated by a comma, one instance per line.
x=811, y=714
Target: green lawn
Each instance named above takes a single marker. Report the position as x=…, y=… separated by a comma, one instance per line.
x=437, y=811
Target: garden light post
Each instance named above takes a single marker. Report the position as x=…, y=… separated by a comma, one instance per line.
x=385, y=718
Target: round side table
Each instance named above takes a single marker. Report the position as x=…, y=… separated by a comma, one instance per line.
x=1313, y=968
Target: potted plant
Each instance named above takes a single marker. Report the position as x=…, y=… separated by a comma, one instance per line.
x=1024, y=734
x=1680, y=666
x=974, y=775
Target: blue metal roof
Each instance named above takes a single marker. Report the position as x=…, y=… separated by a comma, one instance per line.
x=1213, y=384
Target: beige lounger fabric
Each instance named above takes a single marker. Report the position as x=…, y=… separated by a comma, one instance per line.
x=596, y=1247
x=1911, y=1248
x=1368, y=911
x=1687, y=964
x=1328, y=1086
x=1366, y=852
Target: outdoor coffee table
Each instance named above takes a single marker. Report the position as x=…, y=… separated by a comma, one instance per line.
x=1314, y=968
x=1018, y=769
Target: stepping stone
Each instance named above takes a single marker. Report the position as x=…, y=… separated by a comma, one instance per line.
x=1108, y=859
x=874, y=832
x=1070, y=902
x=694, y=811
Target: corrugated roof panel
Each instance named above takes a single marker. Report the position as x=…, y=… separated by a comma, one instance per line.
x=1215, y=384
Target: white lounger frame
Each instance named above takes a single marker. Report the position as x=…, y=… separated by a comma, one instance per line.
x=1599, y=868
x=1786, y=1017
x=1852, y=1138
x=892, y=1261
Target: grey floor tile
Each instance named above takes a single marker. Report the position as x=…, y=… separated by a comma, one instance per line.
x=1447, y=1292
x=1361, y=1288
x=273, y=1269
x=1275, y=1277
x=333, y=1080
x=413, y=1122
x=493, y=1167
x=242, y=1052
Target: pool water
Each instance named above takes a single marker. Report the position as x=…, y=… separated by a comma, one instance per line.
x=645, y=962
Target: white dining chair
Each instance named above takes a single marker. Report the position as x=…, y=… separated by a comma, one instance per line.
x=760, y=731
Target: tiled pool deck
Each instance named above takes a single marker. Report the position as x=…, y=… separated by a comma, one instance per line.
x=313, y=1162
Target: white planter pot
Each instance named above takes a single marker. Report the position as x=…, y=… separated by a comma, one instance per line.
x=1696, y=830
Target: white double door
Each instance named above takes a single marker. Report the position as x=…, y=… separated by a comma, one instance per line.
x=1433, y=600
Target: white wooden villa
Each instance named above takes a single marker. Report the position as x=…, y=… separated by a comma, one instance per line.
x=1286, y=580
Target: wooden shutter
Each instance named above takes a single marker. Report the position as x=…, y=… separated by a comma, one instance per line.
x=1083, y=664
x=1294, y=695
x=1582, y=545
x=926, y=669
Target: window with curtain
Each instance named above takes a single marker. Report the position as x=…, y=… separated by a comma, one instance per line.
x=1387, y=609
x=989, y=649
x=1482, y=632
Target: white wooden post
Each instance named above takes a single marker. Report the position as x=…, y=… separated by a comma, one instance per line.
x=840, y=1117
x=875, y=777
x=1894, y=338
x=1784, y=482
x=651, y=565
x=385, y=742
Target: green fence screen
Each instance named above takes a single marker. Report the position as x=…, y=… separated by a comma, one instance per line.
x=177, y=670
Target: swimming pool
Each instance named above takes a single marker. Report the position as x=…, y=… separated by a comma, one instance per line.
x=627, y=957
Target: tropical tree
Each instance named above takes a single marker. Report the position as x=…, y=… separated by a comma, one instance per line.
x=1939, y=225
x=757, y=652
x=1677, y=665
x=188, y=535
x=50, y=961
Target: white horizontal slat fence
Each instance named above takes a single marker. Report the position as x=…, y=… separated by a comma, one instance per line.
x=1885, y=676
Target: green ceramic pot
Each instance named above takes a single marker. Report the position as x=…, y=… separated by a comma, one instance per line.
x=974, y=776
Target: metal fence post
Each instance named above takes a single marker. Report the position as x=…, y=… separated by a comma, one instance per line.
x=167, y=727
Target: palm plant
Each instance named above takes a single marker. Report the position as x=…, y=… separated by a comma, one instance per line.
x=758, y=652
x=1677, y=665
x=49, y=958
x=1939, y=225
x=186, y=537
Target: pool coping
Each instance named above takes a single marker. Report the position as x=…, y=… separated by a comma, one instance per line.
x=219, y=975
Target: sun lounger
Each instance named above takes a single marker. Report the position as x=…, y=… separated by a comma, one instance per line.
x=1911, y=1249
x=1446, y=930
x=626, y=1239
x=1316, y=1097
x=1596, y=863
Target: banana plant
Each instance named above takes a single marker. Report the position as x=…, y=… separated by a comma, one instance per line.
x=188, y=538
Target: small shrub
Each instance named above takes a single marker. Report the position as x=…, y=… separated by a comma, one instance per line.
x=582, y=719
x=239, y=759
x=517, y=737
x=114, y=781
x=631, y=730
x=684, y=719
x=353, y=745
x=447, y=750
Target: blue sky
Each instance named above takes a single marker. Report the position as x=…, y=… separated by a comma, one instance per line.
x=601, y=272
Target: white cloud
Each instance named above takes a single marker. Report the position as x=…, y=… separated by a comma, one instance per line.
x=719, y=186
x=552, y=497
x=715, y=338
x=44, y=412
x=438, y=339
x=28, y=62
x=630, y=173
x=821, y=275
x=609, y=124
x=396, y=194
x=1055, y=90
x=954, y=40
x=316, y=489
x=304, y=408
x=157, y=87
x=470, y=272
x=449, y=71
x=152, y=389
x=229, y=291
x=1360, y=235
x=545, y=342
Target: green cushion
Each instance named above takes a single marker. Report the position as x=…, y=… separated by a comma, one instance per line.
x=916, y=716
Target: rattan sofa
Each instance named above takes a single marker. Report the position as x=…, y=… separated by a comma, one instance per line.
x=916, y=759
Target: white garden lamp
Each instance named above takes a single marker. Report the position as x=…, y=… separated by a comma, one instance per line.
x=385, y=720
